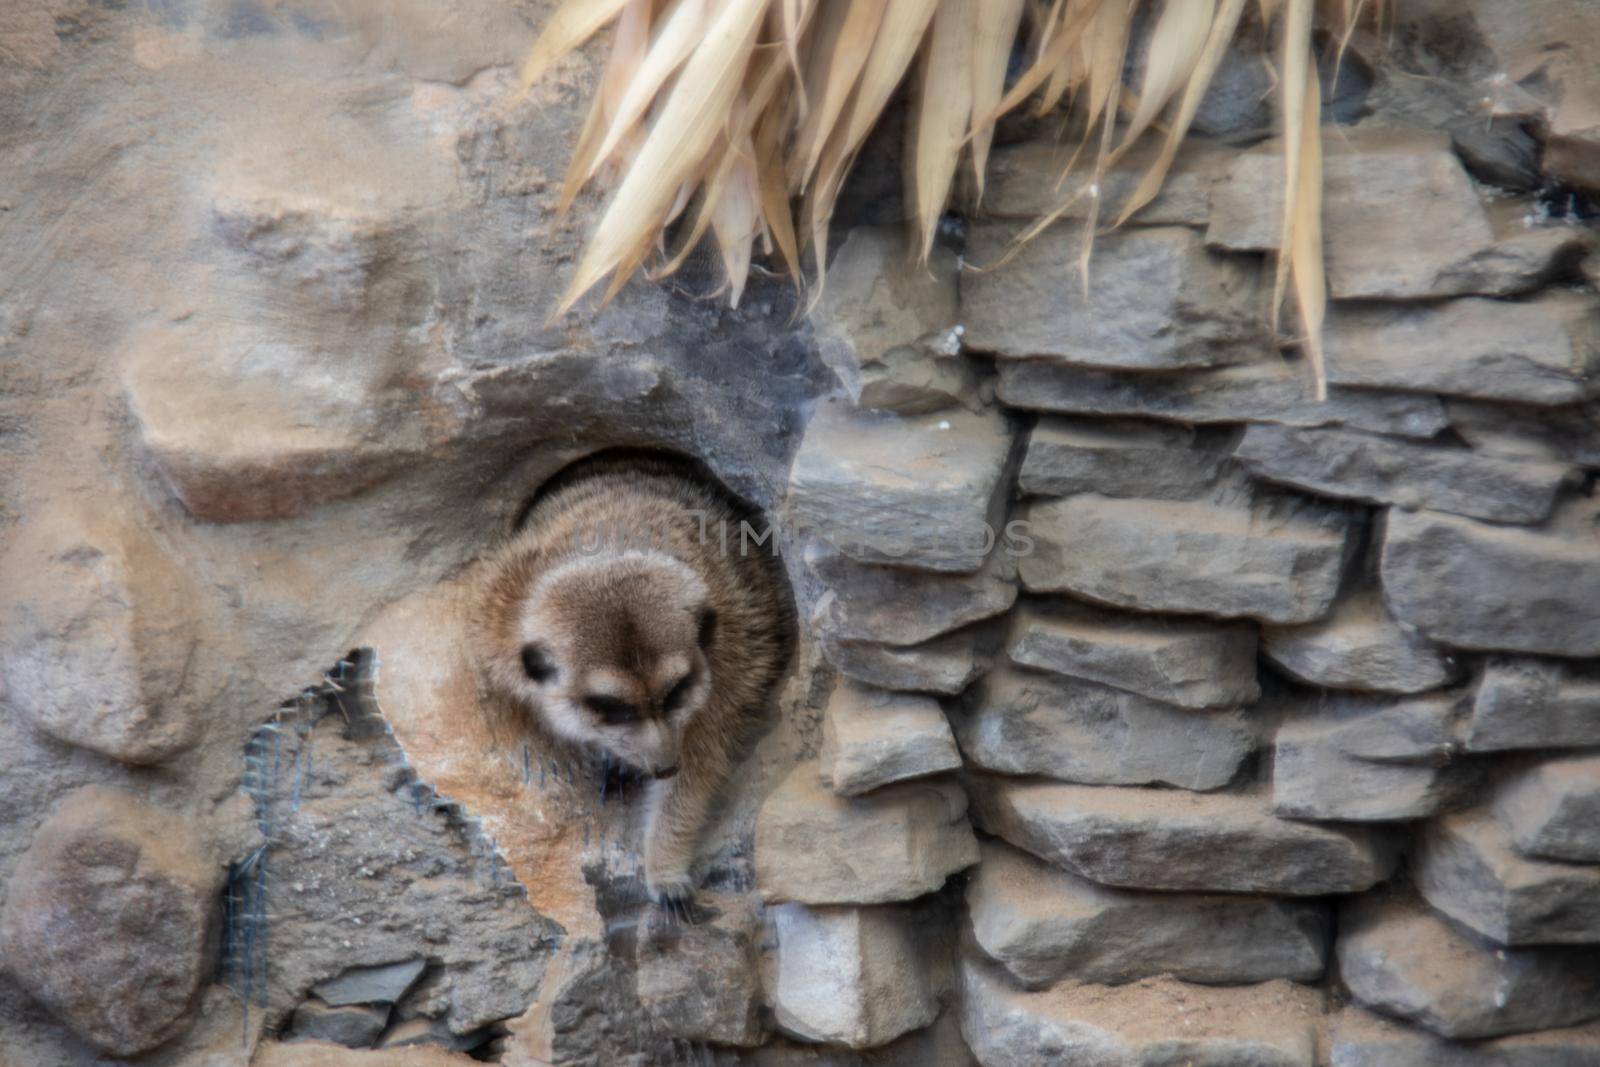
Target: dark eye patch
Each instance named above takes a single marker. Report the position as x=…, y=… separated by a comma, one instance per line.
x=677, y=694
x=707, y=628
x=612, y=711
x=536, y=664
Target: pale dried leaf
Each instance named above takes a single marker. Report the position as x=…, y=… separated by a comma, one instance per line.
x=1292, y=93
x=1305, y=249
x=1222, y=31
x=573, y=23
x=674, y=41
x=627, y=52
x=841, y=42
x=995, y=33
x=944, y=104
x=736, y=219
x=689, y=122
x=1174, y=49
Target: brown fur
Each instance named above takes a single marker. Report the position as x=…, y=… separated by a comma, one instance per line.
x=621, y=615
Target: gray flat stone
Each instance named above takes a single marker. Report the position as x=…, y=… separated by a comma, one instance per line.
x=1357, y=760
x=1399, y=957
x=885, y=325
x=383, y=984
x=1361, y=1039
x=1044, y=924
x=895, y=606
x=1473, y=585
x=353, y=1026
x=1030, y=722
x=1535, y=703
x=1276, y=559
x=1466, y=867
x=1359, y=466
x=1553, y=809
x=1274, y=391
x=1024, y=183
x=909, y=491
x=1542, y=351
x=897, y=843
x=850, y=976
x=1157, y=300
x=1122, y=458
x=1193, y=665
x=1175, y=840
x=1359, y=645
x=871, y=737
x=1157, y=1023
x=1570, y=434
x=1401, y=220
x=944, y=665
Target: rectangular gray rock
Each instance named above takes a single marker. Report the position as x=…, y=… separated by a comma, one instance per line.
x=1359, y=646
x=1466, y=867
x=1569, y=434
x=850, y=976
x=944, y=665
x=1552, y=809
x=1032, y=722
x=1543, y=351
x=1024, y=183
x=886, y=325
x=898, y=843
x=1354, y=760
x=1123, y=458
x=1535, y=703
x=1474, y=585
x=1044, y=924
x=1179, y=841
x=896, y=606
x=1385, y=470
x=871, y=737
x=908, y=491
x=1157, y=299
x=1161, y=1022
x=1361, y=1039
x=1400, y=219
x=1275, y=558
x=1191, y=664
x=1400, y=957
x=1273, y=391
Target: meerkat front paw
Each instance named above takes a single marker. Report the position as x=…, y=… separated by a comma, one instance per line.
x=676, y=900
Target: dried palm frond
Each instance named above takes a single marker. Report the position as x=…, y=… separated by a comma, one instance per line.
x=752, y=113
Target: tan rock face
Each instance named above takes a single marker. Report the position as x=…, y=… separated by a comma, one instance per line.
x=109, y=918
x=101, y=637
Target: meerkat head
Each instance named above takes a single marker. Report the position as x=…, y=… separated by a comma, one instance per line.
x=611, y=653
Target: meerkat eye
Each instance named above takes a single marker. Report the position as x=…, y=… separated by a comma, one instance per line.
x=612, y=711
x=708, y=628
x=536, y=664
x=677, y=694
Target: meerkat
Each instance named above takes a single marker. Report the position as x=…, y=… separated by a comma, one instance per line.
x=627, y=619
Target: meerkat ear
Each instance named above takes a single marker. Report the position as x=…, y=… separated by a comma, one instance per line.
x=536, y=663
x=708, y=628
